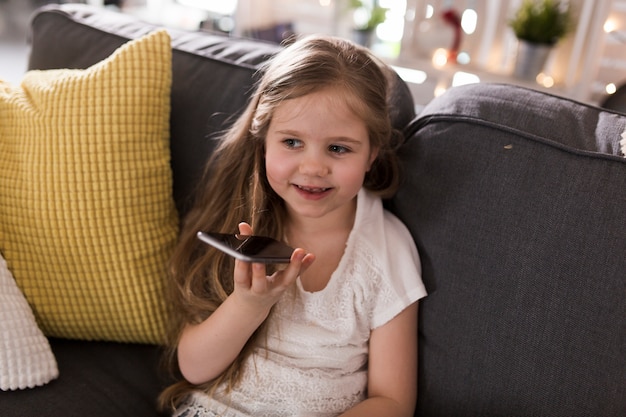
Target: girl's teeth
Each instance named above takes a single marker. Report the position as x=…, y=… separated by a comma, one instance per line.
x=312, y=190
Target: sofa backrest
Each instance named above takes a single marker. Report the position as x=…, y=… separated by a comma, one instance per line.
x=212, y=77
x=517, y=202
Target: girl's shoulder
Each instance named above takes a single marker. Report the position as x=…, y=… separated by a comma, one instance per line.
x=380, y=236
x=379, y=224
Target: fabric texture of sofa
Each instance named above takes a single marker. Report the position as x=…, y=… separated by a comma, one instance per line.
x=516, y=200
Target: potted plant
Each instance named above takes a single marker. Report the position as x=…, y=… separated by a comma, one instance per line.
x=538, y=26
x=366, y=16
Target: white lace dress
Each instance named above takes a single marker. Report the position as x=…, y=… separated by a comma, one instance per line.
x=314, y=362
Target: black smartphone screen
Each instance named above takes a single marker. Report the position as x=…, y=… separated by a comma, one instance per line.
x=261, y=249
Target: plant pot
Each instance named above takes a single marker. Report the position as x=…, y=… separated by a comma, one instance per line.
x=363, y=37
x=530, y=59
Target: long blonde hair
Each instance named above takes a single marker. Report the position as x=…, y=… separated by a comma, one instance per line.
x=234, y=187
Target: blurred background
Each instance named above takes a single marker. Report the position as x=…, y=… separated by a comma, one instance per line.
x=433, y=44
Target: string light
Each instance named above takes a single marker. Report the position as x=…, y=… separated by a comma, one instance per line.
x=440, y=57
x=610, y=88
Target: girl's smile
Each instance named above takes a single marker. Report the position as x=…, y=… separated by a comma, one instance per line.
x=312, y=193
x=317, y=154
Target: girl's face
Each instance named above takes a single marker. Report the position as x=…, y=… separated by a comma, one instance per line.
x=317, y=152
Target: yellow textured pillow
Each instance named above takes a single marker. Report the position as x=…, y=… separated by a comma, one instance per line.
x=87, y=218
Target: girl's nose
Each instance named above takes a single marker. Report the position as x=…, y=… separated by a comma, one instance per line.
x=313, y=165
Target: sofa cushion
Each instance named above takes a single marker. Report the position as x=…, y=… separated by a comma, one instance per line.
x=26, y=360
x=517, y=202
x=87, y=221
x=96, y=379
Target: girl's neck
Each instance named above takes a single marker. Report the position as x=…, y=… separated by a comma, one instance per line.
x=325, y=237
x=341, y=220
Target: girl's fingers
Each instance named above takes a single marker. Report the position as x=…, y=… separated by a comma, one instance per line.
x=300, y=261
x=243, y=274
x=260, y=283
x=253, y=276
x=245, y=229
x=309, y=258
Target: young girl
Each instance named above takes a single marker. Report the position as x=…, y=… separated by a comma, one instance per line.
x=335, y=331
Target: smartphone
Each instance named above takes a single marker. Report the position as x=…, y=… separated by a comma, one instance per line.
x=248, y=248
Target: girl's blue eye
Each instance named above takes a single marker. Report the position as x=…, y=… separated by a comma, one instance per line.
x=338, y=149
x=292, y=143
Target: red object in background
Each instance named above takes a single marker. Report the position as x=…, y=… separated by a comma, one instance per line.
x=452, y=18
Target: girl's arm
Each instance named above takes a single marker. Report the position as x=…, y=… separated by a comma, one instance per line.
x=205, y=350
x=392, y=369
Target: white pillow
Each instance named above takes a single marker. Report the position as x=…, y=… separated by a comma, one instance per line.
x=26, y=359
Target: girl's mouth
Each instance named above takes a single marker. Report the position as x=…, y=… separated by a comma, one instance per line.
x=312, y=193
x=312, y=189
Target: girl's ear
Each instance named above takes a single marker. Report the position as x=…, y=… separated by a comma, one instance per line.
x=373, y=156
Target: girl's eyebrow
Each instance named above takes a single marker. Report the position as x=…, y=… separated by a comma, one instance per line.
x=288, y=132
x=354, y=143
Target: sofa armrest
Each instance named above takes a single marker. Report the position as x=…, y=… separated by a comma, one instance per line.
x=517, y=202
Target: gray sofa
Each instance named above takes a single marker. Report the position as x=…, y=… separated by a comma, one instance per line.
x=516, y=200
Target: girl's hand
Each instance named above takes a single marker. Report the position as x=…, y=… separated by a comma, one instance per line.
x=260, y=291
x=205, y=350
